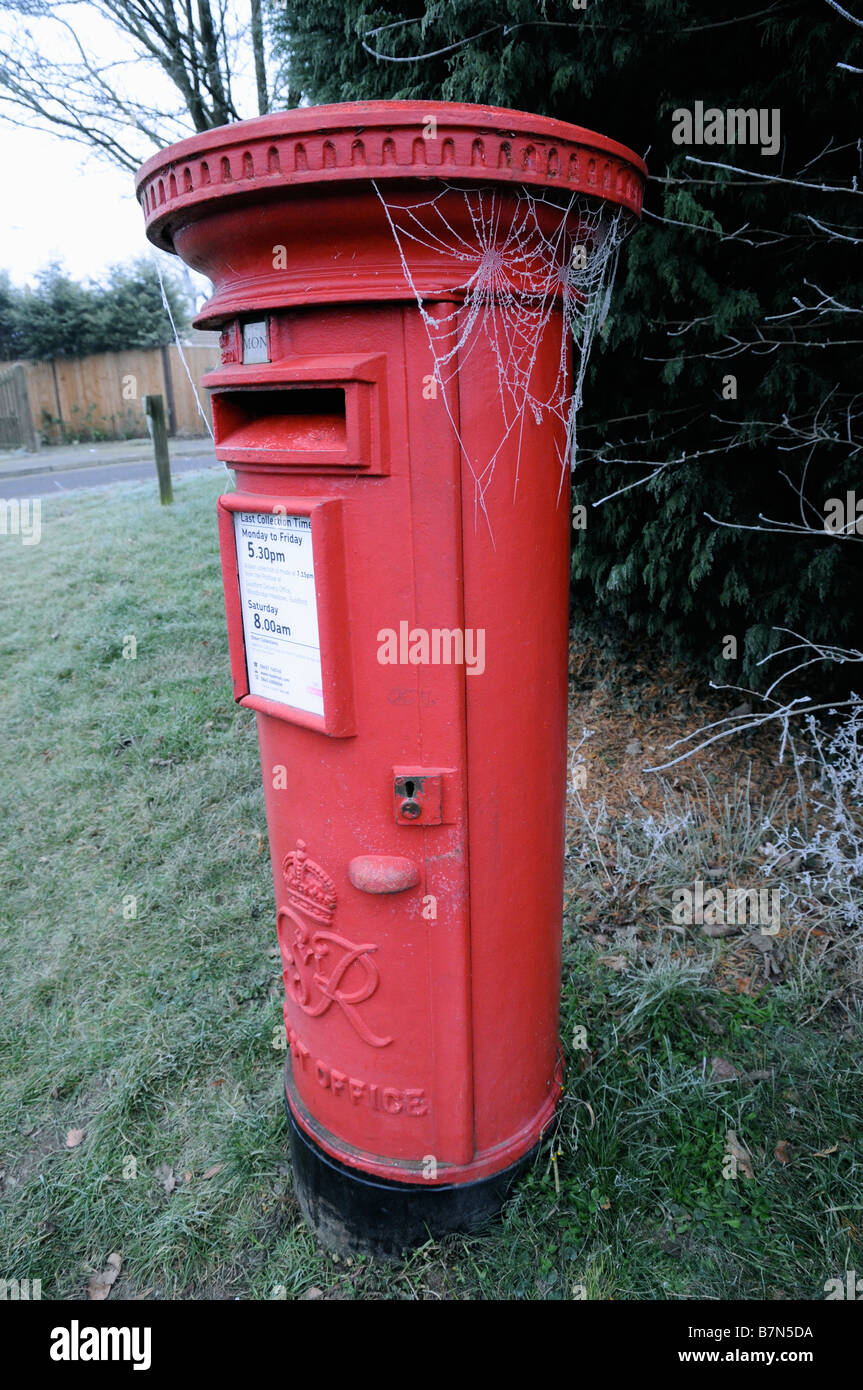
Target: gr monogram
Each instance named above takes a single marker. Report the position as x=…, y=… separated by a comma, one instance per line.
x=323, y=968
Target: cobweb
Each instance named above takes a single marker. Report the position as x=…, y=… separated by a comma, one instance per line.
x=524, y=254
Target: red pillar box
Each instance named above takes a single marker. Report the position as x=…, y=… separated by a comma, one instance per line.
x=397, y=287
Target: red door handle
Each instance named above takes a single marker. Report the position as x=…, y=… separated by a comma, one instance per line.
x=383, y=873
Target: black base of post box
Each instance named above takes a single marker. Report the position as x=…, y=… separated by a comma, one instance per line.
x=357, y=1214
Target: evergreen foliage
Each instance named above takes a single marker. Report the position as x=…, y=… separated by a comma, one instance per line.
x=62, y=318
x=709, y=287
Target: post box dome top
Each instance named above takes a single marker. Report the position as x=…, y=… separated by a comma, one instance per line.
x=383, y=140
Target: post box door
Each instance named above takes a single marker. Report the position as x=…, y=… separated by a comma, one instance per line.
x=366, y=792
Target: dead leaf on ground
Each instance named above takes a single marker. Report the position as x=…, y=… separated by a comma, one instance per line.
x=721, y=1070
x=711, y=1023
x=313, y=1292
x=100, y=1285
x=823, y=1153
x=761, y=942
x=165, y=1174
x=614, y=962
x=741, y=1156
x=74, y=1137
x=782, y=1153
x=211, y=1172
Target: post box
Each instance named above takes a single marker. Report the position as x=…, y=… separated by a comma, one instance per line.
x=395, y=284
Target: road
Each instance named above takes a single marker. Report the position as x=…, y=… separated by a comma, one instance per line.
x=50, y=483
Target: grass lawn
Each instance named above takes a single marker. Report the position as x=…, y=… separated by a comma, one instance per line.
x=141, y=991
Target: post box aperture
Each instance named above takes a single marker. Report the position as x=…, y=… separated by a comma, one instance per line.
x=307, y=411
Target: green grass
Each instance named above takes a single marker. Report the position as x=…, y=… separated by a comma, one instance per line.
x=153, y=1032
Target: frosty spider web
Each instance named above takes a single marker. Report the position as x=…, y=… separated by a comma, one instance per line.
x=525, y=254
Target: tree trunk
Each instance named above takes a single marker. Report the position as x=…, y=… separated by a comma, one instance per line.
x=258, y=49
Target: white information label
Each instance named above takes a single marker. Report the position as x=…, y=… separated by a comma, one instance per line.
x=255, y=342
x=280, y=611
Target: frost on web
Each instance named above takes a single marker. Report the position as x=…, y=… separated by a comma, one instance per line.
x=518, y=255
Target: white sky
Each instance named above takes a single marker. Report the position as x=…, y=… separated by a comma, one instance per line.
x=64, y=203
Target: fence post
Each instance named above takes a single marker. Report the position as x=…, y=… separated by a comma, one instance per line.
x=29, y=435
x=169, y=390
x=154, y=408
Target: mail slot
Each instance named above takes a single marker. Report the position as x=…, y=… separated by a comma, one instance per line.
x=306, y=411
x=395, y=557
x=283, y=420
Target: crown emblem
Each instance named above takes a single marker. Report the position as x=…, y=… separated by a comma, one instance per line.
x=309, y=887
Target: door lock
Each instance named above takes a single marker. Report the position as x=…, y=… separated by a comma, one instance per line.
x=417, y=796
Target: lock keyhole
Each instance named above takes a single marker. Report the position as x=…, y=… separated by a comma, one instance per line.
x=416, y=796
x=408, y=790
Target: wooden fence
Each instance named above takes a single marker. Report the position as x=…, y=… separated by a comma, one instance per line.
x=102, y=397
x=17, y=430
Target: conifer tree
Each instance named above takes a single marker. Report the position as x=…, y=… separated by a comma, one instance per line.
x=731, y=355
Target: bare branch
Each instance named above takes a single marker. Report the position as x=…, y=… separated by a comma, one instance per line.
x=86, y=100
x=831, y=231
x=775, y=178
x=845, y=13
